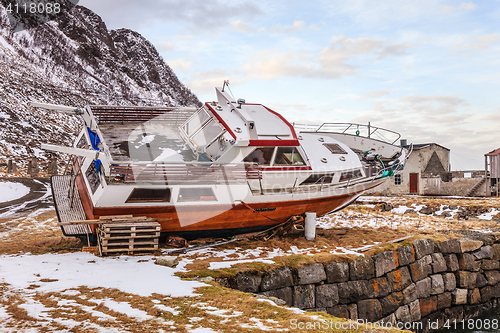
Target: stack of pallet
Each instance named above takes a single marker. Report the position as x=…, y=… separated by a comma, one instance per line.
x=124, y=233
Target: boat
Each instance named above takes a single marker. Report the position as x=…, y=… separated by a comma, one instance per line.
x=225, y=168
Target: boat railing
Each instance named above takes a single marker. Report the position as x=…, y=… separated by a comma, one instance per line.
x=124, y=114
x=367, y=131
x=183, y=173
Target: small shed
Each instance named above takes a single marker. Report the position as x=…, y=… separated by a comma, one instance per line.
x=492, y=170
x=428, y=164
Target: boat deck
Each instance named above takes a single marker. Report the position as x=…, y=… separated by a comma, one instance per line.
x=149, y=141
x=140, y=133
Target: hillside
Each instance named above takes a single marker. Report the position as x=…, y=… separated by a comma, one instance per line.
x=74, y=60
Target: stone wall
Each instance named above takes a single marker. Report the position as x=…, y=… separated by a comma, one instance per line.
x=424, y=282
x=457, y=186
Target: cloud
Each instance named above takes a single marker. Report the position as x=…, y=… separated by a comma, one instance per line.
x=283, y=29
x=332, y=62
x=467, y=6
x=432, y=99
x=241, y=26
x=484, y=42
x=375, y=94
x=179, y=65
x=208, y=15
x=314, y=27
x=165, y=47
x=489, y=38
x=269, y=64
x=205, y=82
x=463, y=6
x=493, y=117
x=446, y=120
x=369, y=14
x=335, y=59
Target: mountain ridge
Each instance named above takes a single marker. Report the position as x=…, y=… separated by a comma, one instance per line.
x=74, y=60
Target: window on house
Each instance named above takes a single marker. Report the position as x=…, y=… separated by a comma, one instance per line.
x=397, y=179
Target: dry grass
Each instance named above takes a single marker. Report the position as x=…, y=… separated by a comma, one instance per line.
x=36, y=234
x=215, y=307
x=218, y=308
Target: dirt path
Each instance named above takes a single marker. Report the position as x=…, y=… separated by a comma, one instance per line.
x=40, y=196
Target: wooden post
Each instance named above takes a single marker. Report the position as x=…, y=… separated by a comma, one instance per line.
x=33, y=167
x=52, y=167
x=487, y=182
x=11, y=166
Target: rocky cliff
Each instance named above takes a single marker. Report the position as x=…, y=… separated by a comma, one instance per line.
x=74, y=60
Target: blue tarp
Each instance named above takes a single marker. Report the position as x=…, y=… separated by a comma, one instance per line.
x=98, y=164
x=94, y=140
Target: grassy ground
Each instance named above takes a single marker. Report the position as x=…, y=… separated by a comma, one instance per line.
x=359, y=230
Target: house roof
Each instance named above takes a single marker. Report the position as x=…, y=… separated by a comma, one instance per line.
x=424, y=145
x=493, y=152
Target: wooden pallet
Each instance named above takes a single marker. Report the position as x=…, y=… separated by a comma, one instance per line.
x=128, y=234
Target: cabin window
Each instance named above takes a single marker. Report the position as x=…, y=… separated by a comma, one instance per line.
x=288, y=156
x=334, y=148
x=397, y=179
x=323, y=178
x=93, y=176
x=261, y=156
x=149, y=195
x=196, y=194
x=350, y=175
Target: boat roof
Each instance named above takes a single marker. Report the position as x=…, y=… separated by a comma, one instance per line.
x=252, y=124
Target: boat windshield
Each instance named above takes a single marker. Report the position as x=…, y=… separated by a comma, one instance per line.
x=201, y=130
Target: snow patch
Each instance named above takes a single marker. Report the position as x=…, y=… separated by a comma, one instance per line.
x=125, y=308
x=11, y=191
x=72, y=270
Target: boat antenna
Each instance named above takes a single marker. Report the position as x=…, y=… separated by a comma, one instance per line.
x=226, y=84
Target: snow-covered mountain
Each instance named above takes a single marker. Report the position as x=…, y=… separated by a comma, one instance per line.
x=74, y=60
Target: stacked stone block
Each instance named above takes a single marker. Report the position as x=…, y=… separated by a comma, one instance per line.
x=456, y=279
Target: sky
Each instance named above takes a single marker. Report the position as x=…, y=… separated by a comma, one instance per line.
x=428, y=69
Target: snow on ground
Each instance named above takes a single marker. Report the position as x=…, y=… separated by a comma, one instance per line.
x=48, y=287
x=11, y=191
x=58, y=272
x=125, y=308
x=489, y=215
